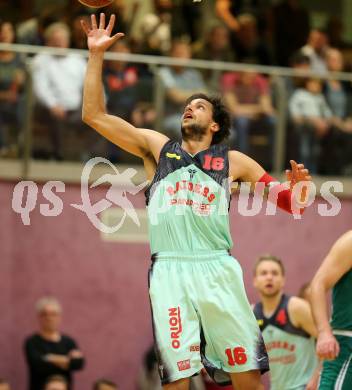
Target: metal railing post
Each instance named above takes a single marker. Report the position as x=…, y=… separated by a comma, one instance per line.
x=159, y=100
x=281, y=125
x=27, y=127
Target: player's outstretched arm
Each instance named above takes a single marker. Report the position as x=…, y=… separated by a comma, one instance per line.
x=140, y=142
x=245, y=169
x=335, y=265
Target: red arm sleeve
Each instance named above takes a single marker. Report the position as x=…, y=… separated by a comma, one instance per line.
x=284, y=200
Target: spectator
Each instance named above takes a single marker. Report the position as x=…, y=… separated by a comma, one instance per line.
x=104, y=384
x=49, y=352
x=228, y=10
x=311, y=116
x=12, y=77
x=287, y=36
x=128, y=94
x=31, y=31
x=156, y=29
x=186, y=20
x=338, y=144
x=180, y=82
x=299, y=62
x=249, y=48
x=58, y=85
x=120, y=80
x=249, y=100
x=78, y=36
x=316, y=49
x=215, y=47
x=56, y=382
x=4, y=384
x=336, y=91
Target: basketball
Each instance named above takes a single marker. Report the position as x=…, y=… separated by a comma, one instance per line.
x=96, y=3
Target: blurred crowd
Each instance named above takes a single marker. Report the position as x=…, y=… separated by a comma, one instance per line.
x=318, y=110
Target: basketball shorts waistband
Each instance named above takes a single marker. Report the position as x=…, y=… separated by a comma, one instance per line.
x=347, y=333
x=190, y=255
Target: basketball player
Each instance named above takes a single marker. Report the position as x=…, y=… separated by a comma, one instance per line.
x=201, y=314
x=288, y=329
x=334, y=343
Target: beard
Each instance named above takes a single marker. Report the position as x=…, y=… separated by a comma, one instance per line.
x=193, y=132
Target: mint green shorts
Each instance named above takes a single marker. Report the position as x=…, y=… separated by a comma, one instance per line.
x=202, y=317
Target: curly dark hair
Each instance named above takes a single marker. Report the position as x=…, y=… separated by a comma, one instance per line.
x=220, y=115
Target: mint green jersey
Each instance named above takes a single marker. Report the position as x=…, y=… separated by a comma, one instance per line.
x=291, y=350
x=342, y=303
x=188, y=200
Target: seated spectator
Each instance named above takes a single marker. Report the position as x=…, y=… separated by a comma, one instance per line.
x=156, y=29
x=12, y=77
x=311, y=116
x=299, y=62
x=286, y=36
x=339, y=141
x=180, y=82
x=186, y=20
x=58, y=86
x=4, y=384
x=248, y=97
x=78, y=36
x=228, y=12
x=56, y=382
x=126, y=91
x=120, y=80
x=249, y=46
x=336, y=91
x=315, y=49
x=31, y=31
x=215, y=47
x=104, y=384
x=49, y=352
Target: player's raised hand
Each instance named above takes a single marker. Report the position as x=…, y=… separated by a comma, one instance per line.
x=327, y=346
x=99, y=37
x=297, y=173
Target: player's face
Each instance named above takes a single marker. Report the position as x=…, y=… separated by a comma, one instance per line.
x=269, y=280
x=196, y=119
x=49, y=318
